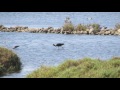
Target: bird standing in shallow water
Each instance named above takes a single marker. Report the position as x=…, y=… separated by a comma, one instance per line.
x=15, y=47
x=58, y=44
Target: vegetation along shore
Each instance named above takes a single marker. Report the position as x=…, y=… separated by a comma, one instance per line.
x=67, y=28
x=9, y=62
x=84, y=68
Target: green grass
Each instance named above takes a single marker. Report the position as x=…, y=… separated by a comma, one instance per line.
x=81, y=27
x=84, y=68
x=68, y=27
x=9, y=62
x=95, y=26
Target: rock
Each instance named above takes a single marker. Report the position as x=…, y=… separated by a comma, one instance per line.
x=107, y=33
x=90, y=30
x=84, y=32
x=112, y=32
x=49, y=27
x=118, y=30
x=104, y=28
x=67, y=32
x=102, y=32
x=78, y=32
x=74, y=32
x=61, y=31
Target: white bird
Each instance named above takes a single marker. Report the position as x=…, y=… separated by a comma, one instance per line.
x=89, y=18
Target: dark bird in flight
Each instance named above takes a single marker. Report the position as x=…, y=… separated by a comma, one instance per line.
x=58, y=44
x=15, y=47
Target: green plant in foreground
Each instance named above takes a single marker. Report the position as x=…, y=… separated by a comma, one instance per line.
x=84, y=68
x=9, y=62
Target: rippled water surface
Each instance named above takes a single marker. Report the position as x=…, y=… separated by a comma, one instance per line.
x=37, y=49
x=56, y=19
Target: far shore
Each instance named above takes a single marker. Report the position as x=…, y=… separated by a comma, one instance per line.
x=61, y=30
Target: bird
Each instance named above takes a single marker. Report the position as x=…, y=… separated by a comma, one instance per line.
x=58, y=44
x=15, y=47
x=89, y=18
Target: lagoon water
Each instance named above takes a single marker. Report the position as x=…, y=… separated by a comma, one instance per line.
x=56, y=19
x=37, y=49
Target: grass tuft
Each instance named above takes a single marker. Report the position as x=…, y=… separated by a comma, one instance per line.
x=84, y=68
x=9, y=62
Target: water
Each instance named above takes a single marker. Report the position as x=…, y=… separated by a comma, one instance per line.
x=56, y=19
x=37, y=49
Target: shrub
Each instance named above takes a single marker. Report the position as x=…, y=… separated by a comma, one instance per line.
x=1, y=26
x=96, y=27
x=68, y=26
x=81, y=27
x=9, y=62
x=84, y=68
x=117, y=26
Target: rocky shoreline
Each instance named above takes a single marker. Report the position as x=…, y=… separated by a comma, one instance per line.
x=88, y=31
